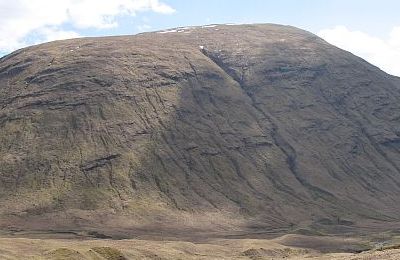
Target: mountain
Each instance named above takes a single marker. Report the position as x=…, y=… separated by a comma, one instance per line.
x=219, y=127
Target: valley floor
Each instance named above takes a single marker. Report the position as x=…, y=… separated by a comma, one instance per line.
x=284, y=247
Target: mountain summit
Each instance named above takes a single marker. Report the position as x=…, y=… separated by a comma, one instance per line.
x=212, y=127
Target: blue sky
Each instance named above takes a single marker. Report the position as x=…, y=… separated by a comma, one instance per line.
x=368, y=28
x=376, y=17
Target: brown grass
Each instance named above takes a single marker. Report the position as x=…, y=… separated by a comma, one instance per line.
x=96, y=249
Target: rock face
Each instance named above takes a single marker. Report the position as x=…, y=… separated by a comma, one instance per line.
x=223, y=124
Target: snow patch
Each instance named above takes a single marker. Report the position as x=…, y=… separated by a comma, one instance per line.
x=201, y=47
x=168, y=31
x=209, y=26
x=177, y=30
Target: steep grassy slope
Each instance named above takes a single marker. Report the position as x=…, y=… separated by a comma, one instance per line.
x=205, y=126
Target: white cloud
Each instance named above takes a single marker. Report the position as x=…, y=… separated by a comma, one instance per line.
x=52, y=34
x=384, y=53
x=143, y=27
x=20, y=18
x=101, y=14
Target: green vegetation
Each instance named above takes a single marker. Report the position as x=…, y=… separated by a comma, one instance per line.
x=109, y=253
